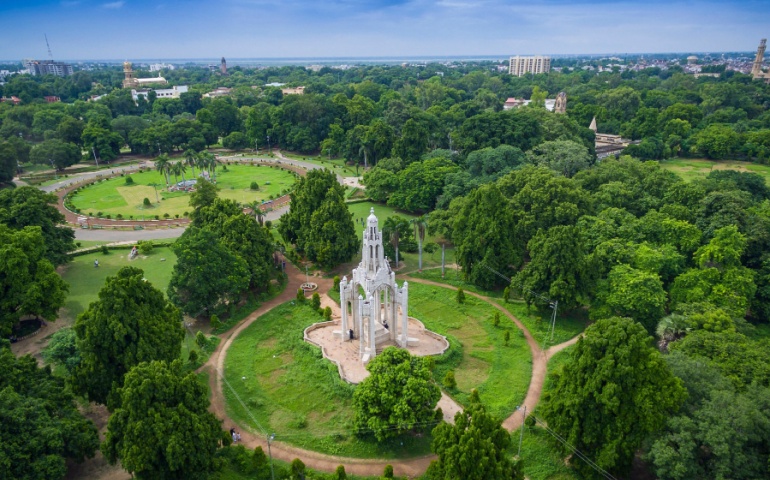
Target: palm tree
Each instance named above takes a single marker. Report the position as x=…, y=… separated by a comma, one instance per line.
x=191, y=159
x=162, y=165
x=182, y=169
x=420, y=224
x=209, y=161
x=258, y=215
x=174, y=168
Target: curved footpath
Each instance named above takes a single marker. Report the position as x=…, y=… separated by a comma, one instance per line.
x=357, y=466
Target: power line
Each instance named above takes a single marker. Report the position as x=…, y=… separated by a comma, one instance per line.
x=573, y=449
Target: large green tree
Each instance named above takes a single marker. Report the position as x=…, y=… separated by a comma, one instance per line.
x=162, y=427
x=207, y=274
x=612, y=395
x=28, y=206
x=558, y=268
x=474, y=448
x=631, y=293
x=318, y=221
x=55, y=152
x=130, y=323
x=399, y=395
x=40, y=425
x=29, y=285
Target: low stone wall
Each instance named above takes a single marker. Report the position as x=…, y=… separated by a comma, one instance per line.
x=316, y=326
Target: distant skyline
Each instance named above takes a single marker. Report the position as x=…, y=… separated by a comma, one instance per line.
x=174, y=29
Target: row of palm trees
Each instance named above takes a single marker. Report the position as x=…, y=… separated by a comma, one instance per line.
x=205, y=161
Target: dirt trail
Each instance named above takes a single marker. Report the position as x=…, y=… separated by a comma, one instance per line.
x=364, y=467
x=539, y=358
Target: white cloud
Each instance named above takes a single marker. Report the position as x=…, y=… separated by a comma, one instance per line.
x=114, y=5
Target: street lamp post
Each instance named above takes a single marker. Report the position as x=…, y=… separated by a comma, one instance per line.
x=269, y=150
x=270, y=438
x=256, y=146
x=54, y=169
x=523, y=422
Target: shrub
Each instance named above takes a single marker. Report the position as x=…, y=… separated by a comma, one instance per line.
x=449, y=380
x=507, y=337
x=268, y=224
x=388, y=472
x=430, y=362
x=145, y=247
x=297, y=468
x=496, y=320
x=337, y=283
x=146, y=202
x=201, y=339
x=99, y=214
x=193, y=356
x=105, y=250
x=131, y=217
x=316, y=301
x=254, y=186
x=157, y=217
x=215, y=323
x=108, y=216
x=176, y=215
x=300, y=296
x=506, y=294
x=340, y=474
x=119, y=216
x=328, y=313
x=460, y=295
x=166, y=215
x=129, y=180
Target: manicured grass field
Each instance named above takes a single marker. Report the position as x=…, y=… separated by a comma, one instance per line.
x=694, y=168
x=539, y=322
x=114, y=197
x=85, y=280
x=288, y=388
x=337, y=165
x=477, y=353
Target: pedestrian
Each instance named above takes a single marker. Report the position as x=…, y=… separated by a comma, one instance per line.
x=233, y=434
x=96, y=263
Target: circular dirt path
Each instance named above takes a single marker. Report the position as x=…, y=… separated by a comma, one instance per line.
x=357, y=466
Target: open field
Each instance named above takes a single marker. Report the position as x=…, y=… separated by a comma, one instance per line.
x=288, y=388
x=114, y=197
x=337, y=165
x=477, y=353
x=85, y=280
x=695, y=168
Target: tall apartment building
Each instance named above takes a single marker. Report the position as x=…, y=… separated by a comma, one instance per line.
x=523, y=65
x=48, y=67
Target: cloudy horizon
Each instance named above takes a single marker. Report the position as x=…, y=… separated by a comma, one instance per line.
x=193, y=29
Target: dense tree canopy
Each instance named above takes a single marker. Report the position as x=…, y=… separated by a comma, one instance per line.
x=40, y=425
x=162, y=427
x=130, y=323
x=28, y=206
x=29, y=285
x=318, y=221
x=398, y=395
x=615, y=392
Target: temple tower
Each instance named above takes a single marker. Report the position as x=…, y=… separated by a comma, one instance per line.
x=223, y=67
x=128, y=81
x=561, y=103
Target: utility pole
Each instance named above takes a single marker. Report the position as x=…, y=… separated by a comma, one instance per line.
x=270, y=438
x=443, y=245
x=523, y=422
x=93, y=150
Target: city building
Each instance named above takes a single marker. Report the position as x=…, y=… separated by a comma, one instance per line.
x=219, y=92
x=520, y=66
x=756, y=70
x=293, y=91
x=560, y=106
x=13, y=99
x=607, y=144
x=692, y=60
x=52, y=99
x=223, y=67
x=48, y=67
x=129, y=81
x=157, y=67
x=173, y=92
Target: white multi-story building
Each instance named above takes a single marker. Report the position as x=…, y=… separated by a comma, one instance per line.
x=519, y=66
x=173, y=92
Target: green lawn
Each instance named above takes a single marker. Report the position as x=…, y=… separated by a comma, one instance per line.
x=337, y=165
x=539, y=322
x=694, y=168
x=477, y=353
x=85, y=280
x=114, y=197
x=288, y=388
x=453, y=276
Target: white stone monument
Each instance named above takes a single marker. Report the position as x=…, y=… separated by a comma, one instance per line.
x=374, y=308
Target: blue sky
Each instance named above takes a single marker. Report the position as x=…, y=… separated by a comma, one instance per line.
x=170, y=29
